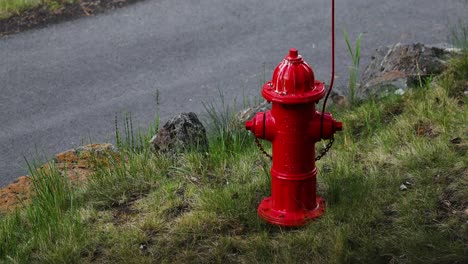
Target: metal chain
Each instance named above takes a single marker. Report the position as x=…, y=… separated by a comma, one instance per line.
x=323, y=152
x=259, y=145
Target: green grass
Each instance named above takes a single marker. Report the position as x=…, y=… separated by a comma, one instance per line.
x=459, y=36
x=50, y=229
x=10, y=8
x=198, y=208
x=355, y=55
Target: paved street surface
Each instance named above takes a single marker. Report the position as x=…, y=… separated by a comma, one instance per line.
x=61, y=86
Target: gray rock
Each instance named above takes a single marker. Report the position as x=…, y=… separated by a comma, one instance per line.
x=181, y=133
x=398, y=67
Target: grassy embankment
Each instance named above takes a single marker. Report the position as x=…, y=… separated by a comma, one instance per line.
x=10, y=8
x=202, y=208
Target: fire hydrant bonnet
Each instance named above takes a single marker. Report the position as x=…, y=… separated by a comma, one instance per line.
x=293, y=82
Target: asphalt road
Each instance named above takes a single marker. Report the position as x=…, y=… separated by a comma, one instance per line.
x=61, y=86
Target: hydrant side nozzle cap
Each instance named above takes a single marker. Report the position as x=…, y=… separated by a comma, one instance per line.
x=249, y=125
x=338, y=126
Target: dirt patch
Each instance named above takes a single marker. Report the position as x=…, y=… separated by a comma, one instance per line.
x=15, y=194
x=43, y=15
x=392, y=113
x=426, y=129
x=77, y=164
x=453, y=202
x=124, y=212
x=178, y=210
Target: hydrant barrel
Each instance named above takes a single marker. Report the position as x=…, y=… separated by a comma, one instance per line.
x=293, y=170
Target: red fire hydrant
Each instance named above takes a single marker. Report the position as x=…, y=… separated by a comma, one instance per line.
x=293, y=126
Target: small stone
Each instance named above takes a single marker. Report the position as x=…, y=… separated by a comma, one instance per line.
x=403, y=187
x=408, y=184
x=466, y=211
x=193, y=179
x=143, y=247
x=181, y=133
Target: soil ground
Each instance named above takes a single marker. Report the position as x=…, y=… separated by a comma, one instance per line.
x=77, y=164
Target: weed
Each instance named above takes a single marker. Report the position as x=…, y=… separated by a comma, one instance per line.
x=48, y=225
x=135, y=141
x=459, y=36
x=228, y=138
x=355, y=55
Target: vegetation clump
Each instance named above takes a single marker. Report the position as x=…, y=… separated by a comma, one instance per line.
x=9, y=8
x=396, y=185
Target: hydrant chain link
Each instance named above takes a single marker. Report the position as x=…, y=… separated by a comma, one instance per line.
x=259, y=145
x=326, y=149
x=319, y=156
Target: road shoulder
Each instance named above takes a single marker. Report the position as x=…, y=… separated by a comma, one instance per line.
x=42, y=15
